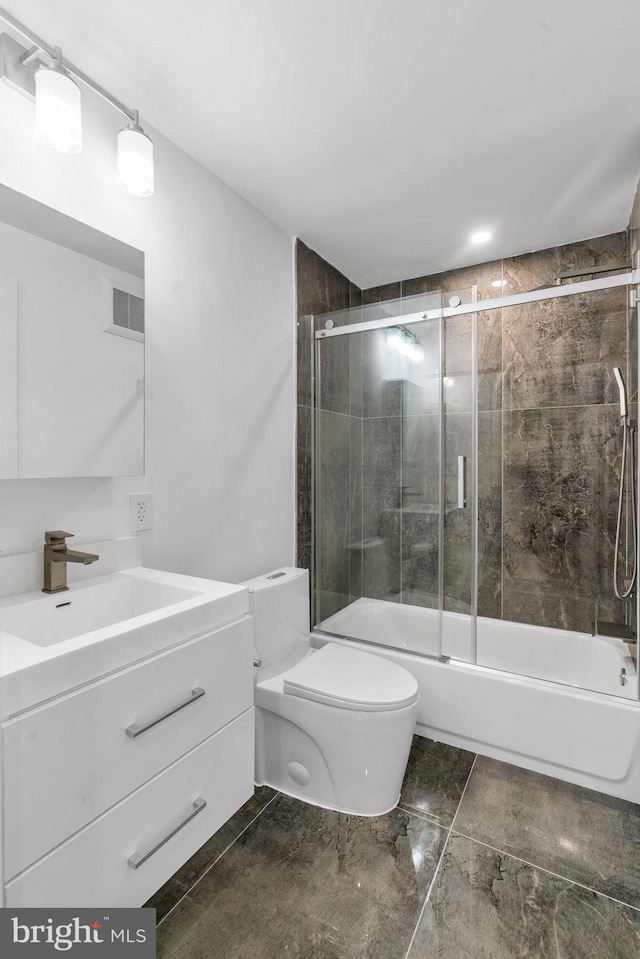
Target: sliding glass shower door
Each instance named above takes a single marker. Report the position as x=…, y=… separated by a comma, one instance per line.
x=395, y=461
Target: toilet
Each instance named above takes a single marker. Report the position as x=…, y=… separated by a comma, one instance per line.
x=333, y=725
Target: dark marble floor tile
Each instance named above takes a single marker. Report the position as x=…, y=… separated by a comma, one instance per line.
x=577, y=833
x=487, y=905
x=312, y=884
x=435, y=779
x=168, y=895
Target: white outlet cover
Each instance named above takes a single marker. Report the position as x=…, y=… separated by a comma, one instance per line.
x=140, y=512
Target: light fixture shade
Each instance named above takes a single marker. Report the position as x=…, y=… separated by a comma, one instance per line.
x=406, y=346
x=135, y=161
x=417, y=353
x=394, y=339
x=58, y=113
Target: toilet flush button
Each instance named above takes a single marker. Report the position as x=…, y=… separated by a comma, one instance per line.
x=299, y=773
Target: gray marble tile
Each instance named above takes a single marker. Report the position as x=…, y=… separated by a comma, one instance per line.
x=355, y=507
x=334, y=388
x=585, y=836
x=303, y=477
x=457, y=573
x=320, y=287
x=487, y=905
x=562, y=352
x=381, y=501
x=170, y=894
x=303, y=556
x=421, y=459
x=355, y=346
x=490, y=514
x=457, y=364
x=532, y=271
x=482, y=275
x=560, y=499
x=490, y=343
x=334, y=446
x=312, y=884
x=376, y=294
x=420, y=548
x=304, y=359
x=355, y=295
x=435, y=779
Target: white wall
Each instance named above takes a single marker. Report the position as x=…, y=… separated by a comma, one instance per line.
x=219, y=358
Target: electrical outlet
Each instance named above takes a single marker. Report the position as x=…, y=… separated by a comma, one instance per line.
x=140, y=511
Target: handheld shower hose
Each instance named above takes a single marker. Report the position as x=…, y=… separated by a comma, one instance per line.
x=628, y=473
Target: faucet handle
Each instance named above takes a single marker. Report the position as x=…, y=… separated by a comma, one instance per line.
x=54, y=537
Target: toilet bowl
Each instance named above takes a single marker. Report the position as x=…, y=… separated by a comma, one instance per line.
x=333, y=725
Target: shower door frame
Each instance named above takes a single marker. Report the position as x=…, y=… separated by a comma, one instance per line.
x=629, y=279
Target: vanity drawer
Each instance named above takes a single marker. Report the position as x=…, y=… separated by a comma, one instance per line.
x=92, y=868
x=69, y=761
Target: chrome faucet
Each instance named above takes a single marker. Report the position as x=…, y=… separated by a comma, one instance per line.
x=56, y=557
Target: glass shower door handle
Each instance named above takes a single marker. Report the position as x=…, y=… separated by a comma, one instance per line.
x=462, y=482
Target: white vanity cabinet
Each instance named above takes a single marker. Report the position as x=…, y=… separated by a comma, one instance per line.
x=109, y=788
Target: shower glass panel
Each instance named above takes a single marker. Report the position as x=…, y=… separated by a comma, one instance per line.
x=550, y=458
x=394, y=477
x=467, y=473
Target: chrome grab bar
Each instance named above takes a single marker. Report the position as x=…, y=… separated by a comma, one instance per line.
x=138, y=858
x=134, y=731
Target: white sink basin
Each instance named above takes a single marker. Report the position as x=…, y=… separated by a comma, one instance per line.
x=51, y=619
x=52, y=643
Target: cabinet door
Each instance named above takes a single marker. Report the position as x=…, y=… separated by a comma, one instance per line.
x=174, y=813
x=67, y=762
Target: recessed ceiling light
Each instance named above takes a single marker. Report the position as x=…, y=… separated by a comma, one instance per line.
x=480, y=237
x=498, y=283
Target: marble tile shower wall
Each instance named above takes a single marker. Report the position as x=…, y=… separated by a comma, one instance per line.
x=548, y=439
x=322, y=289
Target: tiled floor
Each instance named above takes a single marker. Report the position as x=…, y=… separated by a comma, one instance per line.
x=480, y=860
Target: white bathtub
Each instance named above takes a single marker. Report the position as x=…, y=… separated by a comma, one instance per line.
x=557, y=722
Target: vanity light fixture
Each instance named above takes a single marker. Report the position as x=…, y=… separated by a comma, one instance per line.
x=395, y=337
x=58, y=116
x=401, y=341
x=42, y=74
x=135, y=160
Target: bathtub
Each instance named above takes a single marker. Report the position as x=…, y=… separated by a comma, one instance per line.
x=536, y=701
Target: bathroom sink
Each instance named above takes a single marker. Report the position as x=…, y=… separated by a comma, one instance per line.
x=51, y=643
x=111, y=604
x=52, y=619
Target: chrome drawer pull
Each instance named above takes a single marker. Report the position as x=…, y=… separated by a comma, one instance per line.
x=139, y=857
x=134, y=730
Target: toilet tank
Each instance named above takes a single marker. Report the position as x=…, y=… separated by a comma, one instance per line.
x=279, y=604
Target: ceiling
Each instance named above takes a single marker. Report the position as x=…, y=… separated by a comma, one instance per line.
x=385, y=132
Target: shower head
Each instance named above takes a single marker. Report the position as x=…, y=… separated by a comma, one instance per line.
x=622, y=390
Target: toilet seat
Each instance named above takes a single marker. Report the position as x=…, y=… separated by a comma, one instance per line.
x=350, y=679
